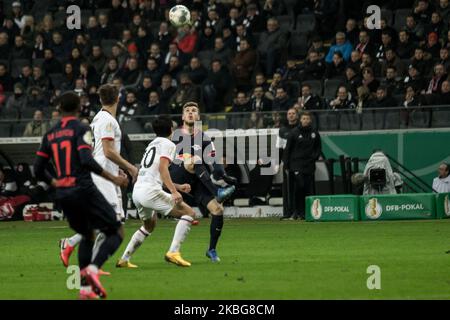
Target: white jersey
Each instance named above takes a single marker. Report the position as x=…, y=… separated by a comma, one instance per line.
x=105, y=127
x=149, y=174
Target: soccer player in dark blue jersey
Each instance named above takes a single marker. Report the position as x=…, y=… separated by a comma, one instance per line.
x=68, y=145
x=195, y=165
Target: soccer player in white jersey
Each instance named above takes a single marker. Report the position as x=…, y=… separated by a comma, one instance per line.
x=150, y=198
x=107, y=139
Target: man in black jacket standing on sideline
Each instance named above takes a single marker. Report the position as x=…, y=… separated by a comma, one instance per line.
x=292, y=123
x=303, y=148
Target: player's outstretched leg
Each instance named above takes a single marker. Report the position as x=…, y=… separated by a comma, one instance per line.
x=204, y=176
x=67, y=245
x=186, y=215
x=215, y=230
x=136, y=241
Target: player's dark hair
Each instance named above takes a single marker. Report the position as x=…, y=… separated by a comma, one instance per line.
x=108, y=94
x=191, y=104
x=69, y=102
x=162, y=126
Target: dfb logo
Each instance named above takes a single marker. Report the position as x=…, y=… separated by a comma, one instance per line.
x=74, y=279
x=374, y=18
x=73, y=21
x=374, y=280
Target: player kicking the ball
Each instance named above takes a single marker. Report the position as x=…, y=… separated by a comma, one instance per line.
x=150, y=198
x=107, y=141
x=196, y=165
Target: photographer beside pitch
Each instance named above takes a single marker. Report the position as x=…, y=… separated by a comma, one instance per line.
x=303, y=149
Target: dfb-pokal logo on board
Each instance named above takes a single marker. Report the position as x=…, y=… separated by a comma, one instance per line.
x=373, y=209
x=316, y=209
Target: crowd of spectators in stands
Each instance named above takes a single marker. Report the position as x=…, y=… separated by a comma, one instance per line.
x=237, y=56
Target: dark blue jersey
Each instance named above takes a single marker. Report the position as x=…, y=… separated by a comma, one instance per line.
x=68, y=145
x=196, y=144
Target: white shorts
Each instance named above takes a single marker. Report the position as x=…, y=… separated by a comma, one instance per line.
x=148, y=201
x=112, y=194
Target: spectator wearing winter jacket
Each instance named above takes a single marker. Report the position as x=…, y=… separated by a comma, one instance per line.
x=343, y=100
x=37, y=127
x=197, y=73
x=342, y=45
x=243, y=65
x=271, y=44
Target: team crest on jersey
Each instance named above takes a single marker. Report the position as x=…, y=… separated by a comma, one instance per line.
x=87, y=138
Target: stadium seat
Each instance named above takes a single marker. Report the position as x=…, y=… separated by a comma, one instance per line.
x=392, y=120
x=5, y=62
x=27, y=114
x=349, y=121
x=440, y=118
x=154, y=26
x=17, y=65
x=131, y=127
x=299, y=44
x=286, y=22
x=379, y=119
x=57, y=79
x=330, y=88
x=10, y=114
x=306, y=23
x=218, y=122
x=419, y=119
x=328, y=121
x=59, y=18
x=367, y=120
x=107, y=45
x=293, y=88
x=256, y=37
x=40, y=9
x=38, y=62
x=5, y=129
x=400, y=18
x=85, y=15
x=316, y=86
x=103, y=10
x=388, y=15
x=18, y=129
x=205, y=58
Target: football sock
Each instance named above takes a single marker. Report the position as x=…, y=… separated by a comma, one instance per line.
x=181, y=230
x=215, y=230
x=85, y=252
x=74, y=240
x=205, y=178
x=84, y=285
x=107, y=249
x=136, y=241
x=98, y=242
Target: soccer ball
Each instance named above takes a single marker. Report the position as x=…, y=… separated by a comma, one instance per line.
x=179, y=16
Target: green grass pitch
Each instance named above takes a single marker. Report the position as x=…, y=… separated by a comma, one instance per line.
x=261, y=259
